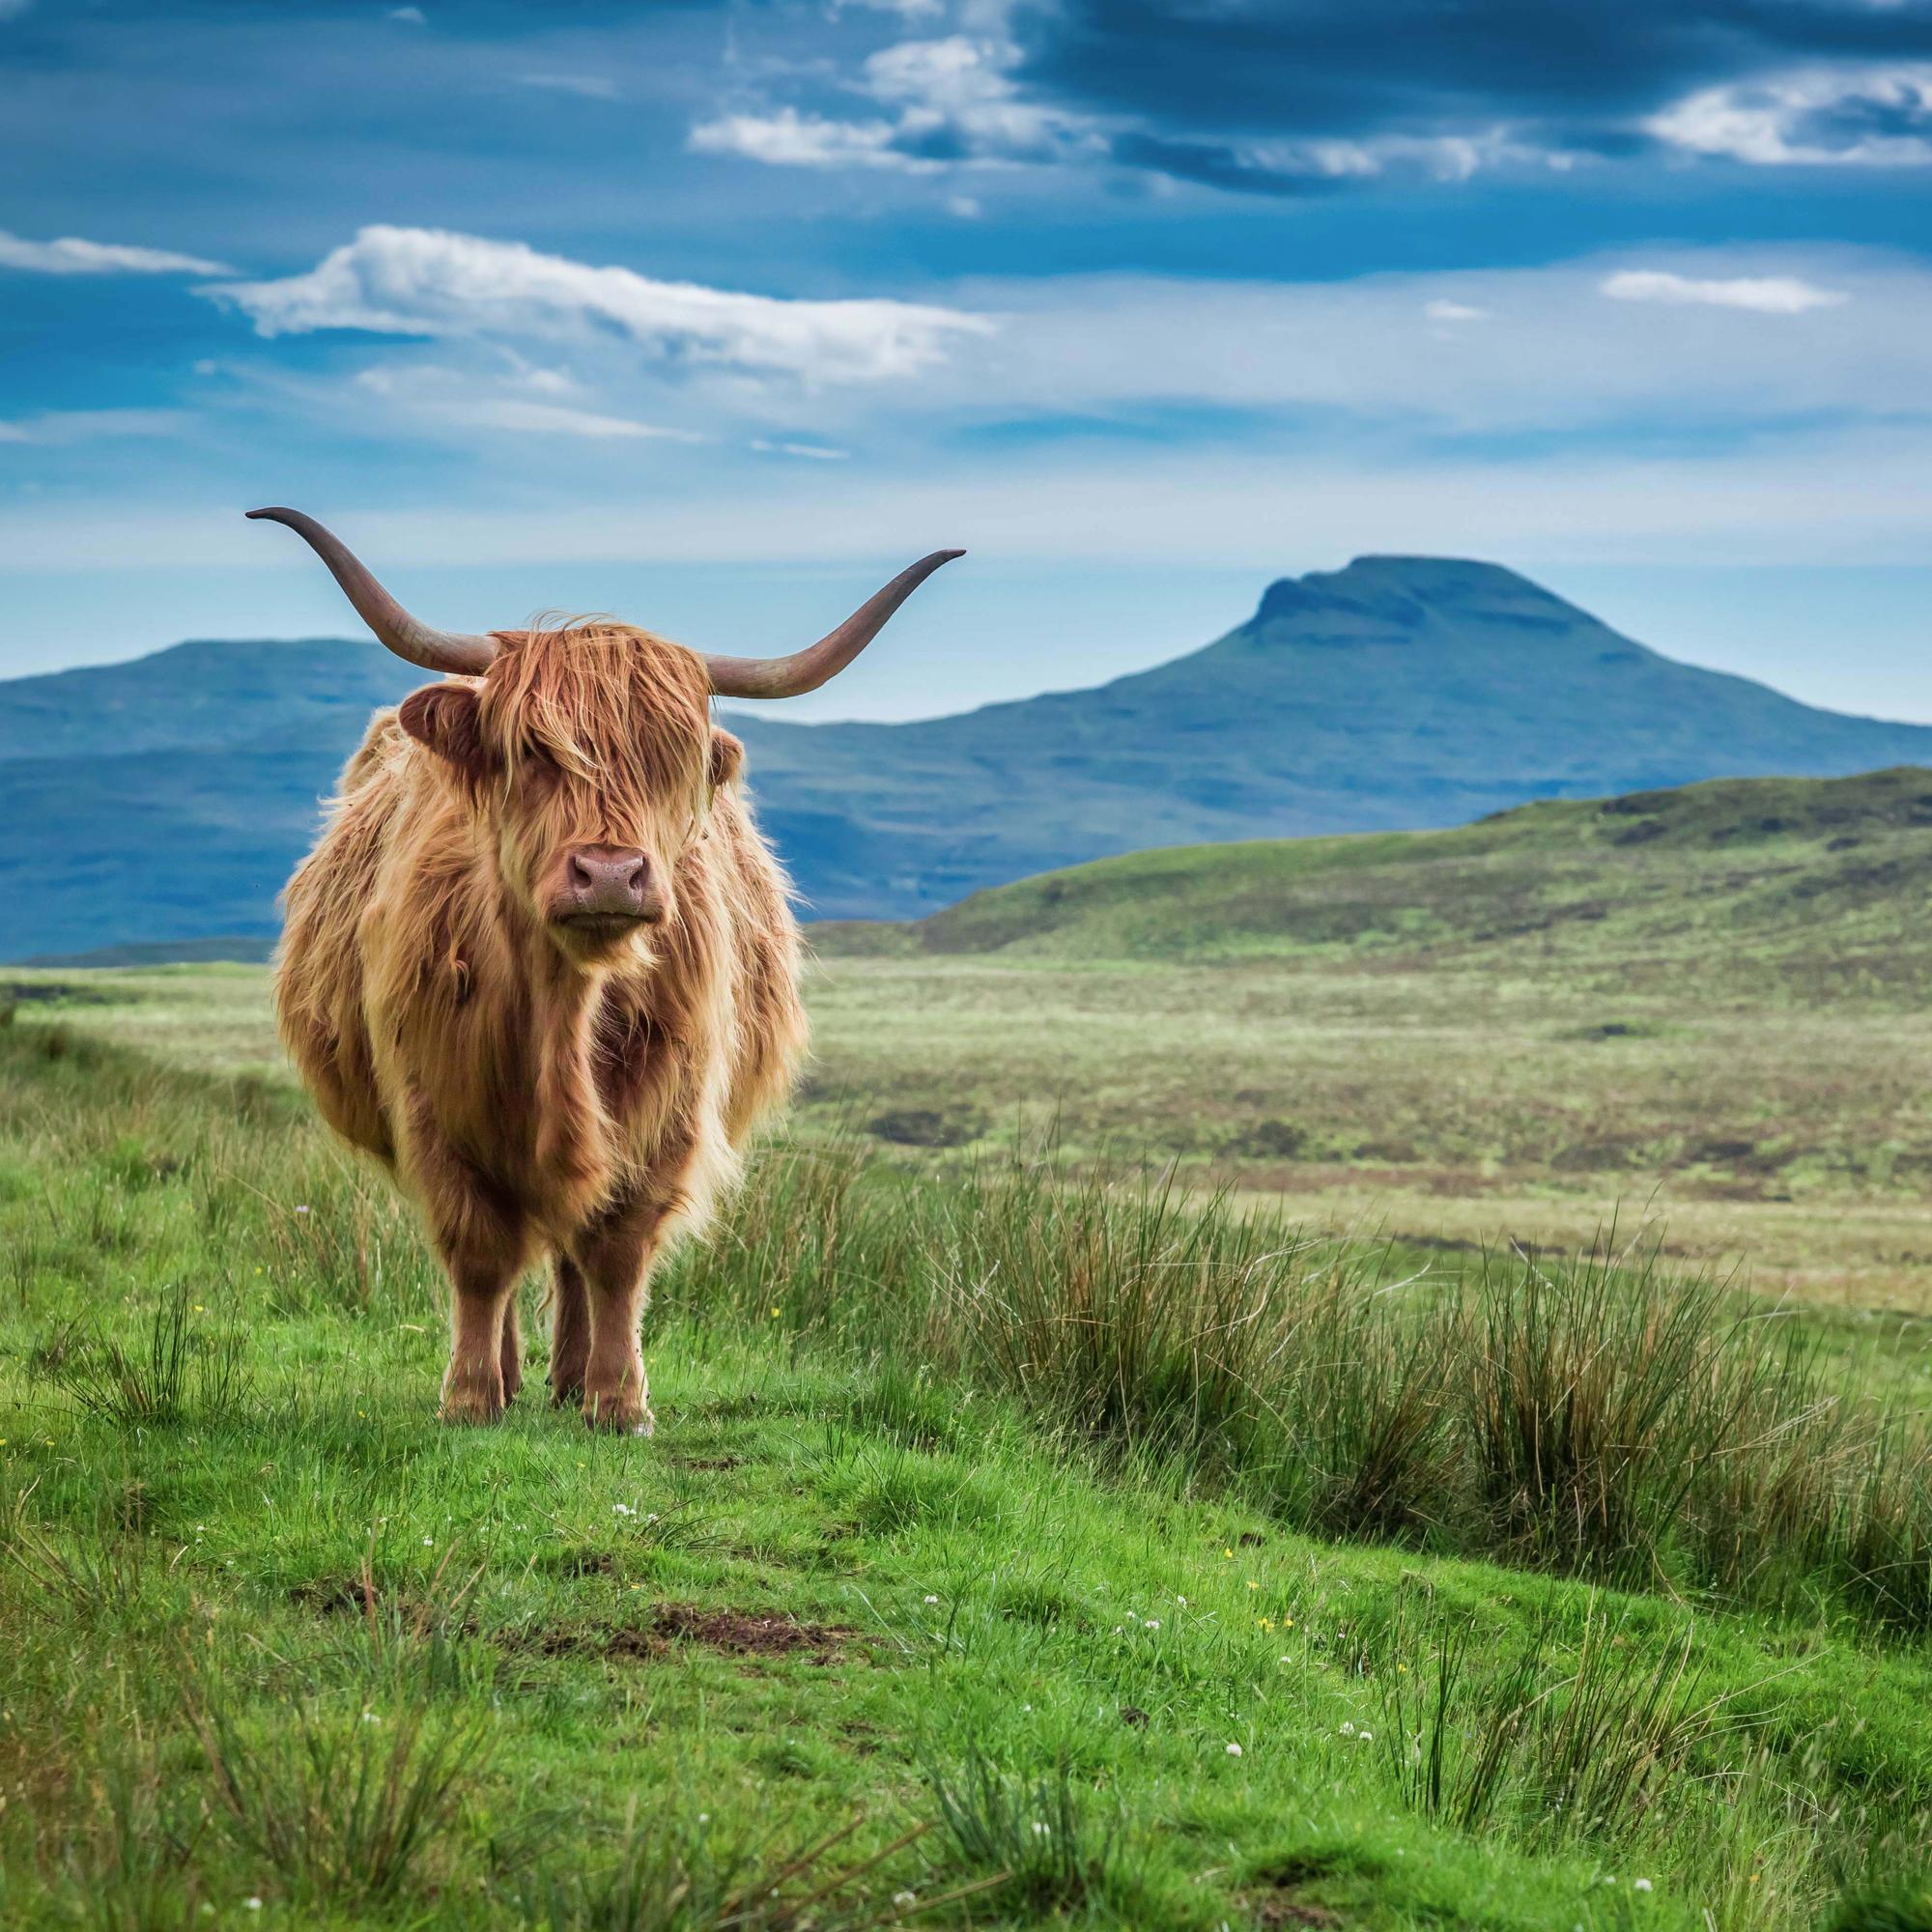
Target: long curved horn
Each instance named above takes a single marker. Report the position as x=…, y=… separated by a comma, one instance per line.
x=805, y=671
x=454, y=653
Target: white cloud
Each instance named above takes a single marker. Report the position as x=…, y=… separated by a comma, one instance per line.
x=1767, y=295
x=409, y=17
x=790, y=139
x=419, y=281
x=1443, y=310
x=586, y=86
x=816, y=452
x=509, y=412
x=70, y=255
x=906, y=10
x=66, y=426
x=1829, y=117
x=12, y=9
x=953, y=102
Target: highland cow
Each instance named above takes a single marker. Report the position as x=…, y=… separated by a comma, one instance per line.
x=542, y=965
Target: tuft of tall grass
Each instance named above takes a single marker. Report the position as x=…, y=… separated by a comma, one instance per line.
x=1033, y=1841
x=345, y=1805
x=1547, y=1746
x=183, y=1372
x=675, y=1877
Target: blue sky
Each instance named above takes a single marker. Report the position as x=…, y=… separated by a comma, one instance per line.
x=713, y=312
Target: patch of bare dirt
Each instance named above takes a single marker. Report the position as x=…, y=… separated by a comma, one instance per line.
x=735, y=1632
x=1276, y=1909
x=739, y=1633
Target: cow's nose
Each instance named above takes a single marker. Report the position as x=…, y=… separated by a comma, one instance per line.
x=611, y=879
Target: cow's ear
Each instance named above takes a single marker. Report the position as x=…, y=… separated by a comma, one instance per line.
x=445, y=717
x=728, y=759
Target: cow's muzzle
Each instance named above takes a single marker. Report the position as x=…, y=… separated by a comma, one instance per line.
x=607, y=890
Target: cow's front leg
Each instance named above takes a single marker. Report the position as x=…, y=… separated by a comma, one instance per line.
x=615, y=1255
x=481, y=1321
x=483, y=1241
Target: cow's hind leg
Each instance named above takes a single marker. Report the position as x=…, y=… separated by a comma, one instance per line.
x=513, y=1348
x=569, y=1332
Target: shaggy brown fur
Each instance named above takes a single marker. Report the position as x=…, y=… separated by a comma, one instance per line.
x=537, y=1088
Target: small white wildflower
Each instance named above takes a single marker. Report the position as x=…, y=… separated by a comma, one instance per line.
x=622, y=1509
x=1117, y=1630
x=1182, y=1601
x=1348, y=1729
x=1639, y=1885
x=253, y=1904
x=903, y=1898
x=370, y=1718
x=933, y=1600
x=1234, y=1750
x=1366, y=1737
x=427, y=1541
x=1153, y=1623
x=705, y=1817
x=1026, y=1707
x=652, y=1518
x=303, y=1209
x=1042, y=1829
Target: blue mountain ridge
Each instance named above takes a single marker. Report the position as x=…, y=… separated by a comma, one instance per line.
x=167, y=799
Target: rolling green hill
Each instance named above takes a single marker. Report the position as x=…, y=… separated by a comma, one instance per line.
x=1832, y=872
x=1400, y=693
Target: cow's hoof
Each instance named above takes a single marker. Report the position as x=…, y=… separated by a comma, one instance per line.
x=471, y=1406
x=620, y=1415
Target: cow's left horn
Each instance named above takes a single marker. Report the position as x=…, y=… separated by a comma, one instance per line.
x=454, y=653
x=805, y=671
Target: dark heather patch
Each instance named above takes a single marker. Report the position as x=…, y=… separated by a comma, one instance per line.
x=337, y=1596
x=25, y=990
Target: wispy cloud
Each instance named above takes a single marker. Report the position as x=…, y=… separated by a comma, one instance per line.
x=509, y=412
x=1825, y=118
x=419, y=281
x=1767, y=295
x=960, y=103
x=586, y=86
x=814, y=452
x=58, y=427
x=70, y=255
x=947, y=102
x=1443, y=309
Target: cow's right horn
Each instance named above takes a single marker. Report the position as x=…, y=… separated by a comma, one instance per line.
x=453, y=653
x=807, y=669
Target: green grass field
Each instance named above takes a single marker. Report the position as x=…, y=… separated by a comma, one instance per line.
x=1301, y=1526
x=1151, y=1568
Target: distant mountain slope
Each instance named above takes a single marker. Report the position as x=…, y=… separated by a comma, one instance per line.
x=1399, y=693
x=1827, y=877
x=168, y=798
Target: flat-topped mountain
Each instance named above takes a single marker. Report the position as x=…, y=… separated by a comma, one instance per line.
x=1396, y=694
